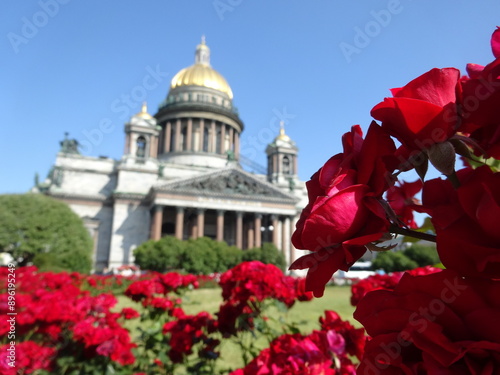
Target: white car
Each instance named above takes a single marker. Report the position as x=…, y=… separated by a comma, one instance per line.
x=359, y=270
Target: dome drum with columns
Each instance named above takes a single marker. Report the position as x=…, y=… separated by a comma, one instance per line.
x=199, y=124
x=180, y=175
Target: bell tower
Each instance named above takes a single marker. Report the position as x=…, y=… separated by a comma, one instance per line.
x=141, y=137
x=282, y=160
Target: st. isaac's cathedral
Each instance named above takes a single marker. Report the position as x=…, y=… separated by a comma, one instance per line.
x=180, y=175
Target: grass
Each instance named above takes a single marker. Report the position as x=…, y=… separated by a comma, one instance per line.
x=304, y=315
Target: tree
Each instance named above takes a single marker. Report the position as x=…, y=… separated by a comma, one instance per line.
x=423, y=255
x=391, y=261
x=38, y=229
x=267, y=254
x=163, y=255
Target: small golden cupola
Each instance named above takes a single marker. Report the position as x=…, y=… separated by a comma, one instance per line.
x=282, y=159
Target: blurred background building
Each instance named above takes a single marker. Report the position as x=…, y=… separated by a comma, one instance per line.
x=182, y=174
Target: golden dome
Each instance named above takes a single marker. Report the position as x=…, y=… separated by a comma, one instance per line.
x=201, y=73
x=282, y=136
x=144, y=112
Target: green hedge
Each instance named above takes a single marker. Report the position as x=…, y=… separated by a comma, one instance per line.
x=415, y=256
x=200, y=256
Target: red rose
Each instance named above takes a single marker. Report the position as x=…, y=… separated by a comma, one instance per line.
x=29, y=357
x=466, y=221
x=354, y=338
x=291, y=354
x=495, y=42
x=424, y=112
x=481, y=95
x=344, y=212
x=432, y=324
x=130, y=313
x=402, y=199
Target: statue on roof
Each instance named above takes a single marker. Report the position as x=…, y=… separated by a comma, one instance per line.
x=69, y=146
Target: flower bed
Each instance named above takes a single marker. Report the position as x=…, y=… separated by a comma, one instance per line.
x=71, y=321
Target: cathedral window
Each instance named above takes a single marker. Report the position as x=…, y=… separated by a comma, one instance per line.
x=286, y=165
x=218, y=140
x=206, y=139
x=172, y=140
x=141, y=147
x=184, y=145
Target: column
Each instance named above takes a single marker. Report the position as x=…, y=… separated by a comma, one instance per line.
x=292, y=248
x=202, y=133
x=179, y=223
x=193, y=229
x=220, y=225
x=236, y=145
x=230, y=145
x=200, y=222
x=153, y=152
x=239, y=229
x=275, y=222
x=212, y=144
x=189, y=135
x=222, y=138
x=295, y=171
x=285, y=238
x=258, y=232
x=127, y=144
x=168, y=135
x=177, y=145
x=156, y=223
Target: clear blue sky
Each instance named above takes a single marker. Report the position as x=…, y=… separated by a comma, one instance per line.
x=68, y=67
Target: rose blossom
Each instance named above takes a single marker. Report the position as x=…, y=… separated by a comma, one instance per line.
x=344, y=212
x=424, y=112
x=466, y=221
x=402, y=199
x=481, y=118
x=433, y=324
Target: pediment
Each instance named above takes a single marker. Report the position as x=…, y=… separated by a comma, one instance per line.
x=230, y=183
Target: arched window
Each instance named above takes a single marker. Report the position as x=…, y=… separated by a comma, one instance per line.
x=286, y=165
x=206, y=138
x=141, y=147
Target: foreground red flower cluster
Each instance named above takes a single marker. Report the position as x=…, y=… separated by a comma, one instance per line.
x=387, y=281
x=66, y=323
x=246, y=286
x=323, y=351
x=432, y=322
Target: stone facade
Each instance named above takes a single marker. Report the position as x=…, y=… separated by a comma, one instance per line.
x=180, y=175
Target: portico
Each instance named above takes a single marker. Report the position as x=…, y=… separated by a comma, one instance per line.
x=229, y=205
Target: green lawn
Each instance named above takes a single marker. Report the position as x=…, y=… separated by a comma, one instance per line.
x=304, y=314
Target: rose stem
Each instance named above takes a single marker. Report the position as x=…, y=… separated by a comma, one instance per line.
x=412, y=233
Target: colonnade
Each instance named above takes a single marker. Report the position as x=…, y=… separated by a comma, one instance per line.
x=199, y=135
x=242, y=229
